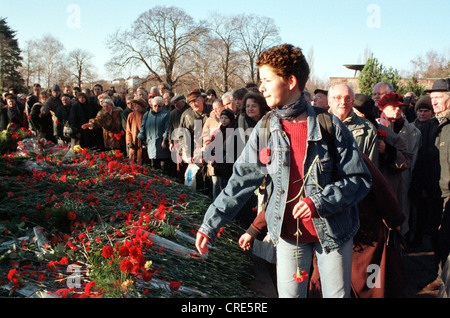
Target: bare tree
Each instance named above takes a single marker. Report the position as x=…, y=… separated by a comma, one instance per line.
x=432, y=65
x=32, y=66
x=225, y=33
x=159, y=38
x=51, y=51
x=80, y=63
x=256, y=34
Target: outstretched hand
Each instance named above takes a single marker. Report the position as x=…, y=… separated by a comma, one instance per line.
x=201, y=243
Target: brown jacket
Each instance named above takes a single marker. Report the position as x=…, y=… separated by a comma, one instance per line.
x=113, y=133
x=134, y=122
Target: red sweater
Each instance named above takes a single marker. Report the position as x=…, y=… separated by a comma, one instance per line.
x=297, y=133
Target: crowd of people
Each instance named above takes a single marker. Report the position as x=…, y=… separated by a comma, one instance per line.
x=339, y=190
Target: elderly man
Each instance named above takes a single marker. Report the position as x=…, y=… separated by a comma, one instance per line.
x=320, y=98
x=190, y=135
x=340, y=99
x=227, y=100
x=440, y=99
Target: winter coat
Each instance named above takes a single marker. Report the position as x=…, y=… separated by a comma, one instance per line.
x=133, y=126
x=365, y=135
x=43, y=126
x=111, y=123
x=62, y=117
x=443, y=144
x=154, y=133
x=426, y=172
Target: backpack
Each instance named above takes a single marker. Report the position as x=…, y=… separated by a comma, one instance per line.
x=326, y=128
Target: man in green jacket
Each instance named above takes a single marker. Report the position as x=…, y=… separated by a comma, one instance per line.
x=340, y=99
x=440, y=99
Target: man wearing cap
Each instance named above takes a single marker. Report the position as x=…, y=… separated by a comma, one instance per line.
x=440, y=99
x=341, y=98
x=320, y=98
x=189, y=133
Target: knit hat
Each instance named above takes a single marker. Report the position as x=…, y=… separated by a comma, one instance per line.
x=424, y=102
x=227, y=112
x=55, y=88
x=391, y=99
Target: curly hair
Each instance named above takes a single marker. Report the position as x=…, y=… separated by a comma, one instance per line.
x=286, y=60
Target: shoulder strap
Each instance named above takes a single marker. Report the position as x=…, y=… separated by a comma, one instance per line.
x=325, y=123
x=326, y=126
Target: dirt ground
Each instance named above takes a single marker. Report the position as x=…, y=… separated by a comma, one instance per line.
x=418, y=264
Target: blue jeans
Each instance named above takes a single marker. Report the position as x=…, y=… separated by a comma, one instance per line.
x=335, y=269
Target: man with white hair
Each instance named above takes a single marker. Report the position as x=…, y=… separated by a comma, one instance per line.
x=340, y=99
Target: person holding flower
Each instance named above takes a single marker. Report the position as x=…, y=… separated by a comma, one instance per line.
x=109, y=118
x=313, y=186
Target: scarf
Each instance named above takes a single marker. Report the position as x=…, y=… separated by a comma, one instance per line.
x=293, y=110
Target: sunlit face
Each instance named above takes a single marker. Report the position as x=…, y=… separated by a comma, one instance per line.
x=238, y=103
x=424, y=114
x=156, y=107
x=197, y=104
x=320, y=100
x=341, y=103
x=440, y=101
x=392, y=112
x=141, y=94
x=228, y=104
x=224, y=120
x=274, y=87
x=107, y=107
x=217, y=108
x=252, y=109
x=166, y=98
x=378, y=92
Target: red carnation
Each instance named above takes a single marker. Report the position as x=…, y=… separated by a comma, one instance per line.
x=264, y=156
x=107, y=251
x=71, y=216
x=124, y=251
x=300, y=276
x=126, y=266
x=174, y=285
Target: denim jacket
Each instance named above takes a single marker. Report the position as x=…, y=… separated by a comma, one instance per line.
x=335, y=194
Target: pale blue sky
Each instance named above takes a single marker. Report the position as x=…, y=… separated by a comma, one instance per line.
x=395, y=31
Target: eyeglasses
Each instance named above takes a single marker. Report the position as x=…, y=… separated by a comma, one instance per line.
x=347, y=99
